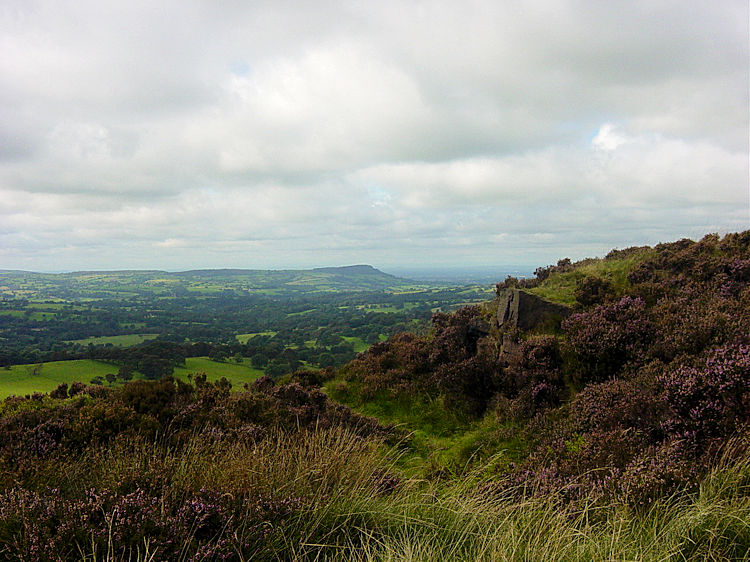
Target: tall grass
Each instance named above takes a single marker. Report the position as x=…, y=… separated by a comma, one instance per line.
x=352, y=508
x=461, y=525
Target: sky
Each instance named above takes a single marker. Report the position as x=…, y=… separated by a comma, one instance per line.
x=289, y=134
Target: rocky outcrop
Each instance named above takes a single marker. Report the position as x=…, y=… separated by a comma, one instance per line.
x=519, y=309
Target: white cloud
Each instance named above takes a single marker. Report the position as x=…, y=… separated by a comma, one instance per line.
x=191, y=134
x=608, y=138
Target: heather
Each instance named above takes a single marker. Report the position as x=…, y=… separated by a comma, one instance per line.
x=631, y=398
x=313, y=493
x=619, y=431
x=178, y=470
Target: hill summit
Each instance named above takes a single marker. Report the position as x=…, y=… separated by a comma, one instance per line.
x=352, y=270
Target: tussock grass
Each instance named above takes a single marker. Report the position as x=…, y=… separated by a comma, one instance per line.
x=459, y=521
x=347, y=513
x=714, y=525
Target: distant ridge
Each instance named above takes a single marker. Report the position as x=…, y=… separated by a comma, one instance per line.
x=342, y=270
x=352, y=269
x=206, y=282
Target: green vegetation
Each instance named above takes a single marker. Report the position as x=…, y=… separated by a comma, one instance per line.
x=122, y=341
x=440, y=439
x=560, y=286
x=236, y=373
x=358, y=345
x=316, y=494
x=466, y=524
x=21, y=380
x=126, y=284
x=615, y=429
x=244, y=338
x=45, y=377
x=248, y=313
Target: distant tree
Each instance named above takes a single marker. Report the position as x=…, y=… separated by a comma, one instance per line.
x=111, y=378
x=326, y=359
x=276, y=368
x=154, y=368
x=218, y=354
x=125, y=374
x=97, y=380
x=259, y=360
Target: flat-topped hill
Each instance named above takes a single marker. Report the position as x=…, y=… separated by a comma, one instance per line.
x=112, y=284
x=352, y=270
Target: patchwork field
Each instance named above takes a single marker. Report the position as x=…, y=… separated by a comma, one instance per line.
x=21, y=380
x=119, y=341
x=44, y=377
x=243, y=338
x=236, y=373
x=358, y=344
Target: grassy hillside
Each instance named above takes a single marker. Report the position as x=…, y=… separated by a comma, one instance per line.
x=649, y=372
x=45, y=377
x=156, y=472
x=561, y=284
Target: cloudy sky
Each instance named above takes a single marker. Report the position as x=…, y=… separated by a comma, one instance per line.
x=268, y=134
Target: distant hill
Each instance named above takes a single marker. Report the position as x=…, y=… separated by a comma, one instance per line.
x=130, y=283
x=353, y=270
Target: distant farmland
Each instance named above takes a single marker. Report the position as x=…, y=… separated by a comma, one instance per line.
x=45, y=377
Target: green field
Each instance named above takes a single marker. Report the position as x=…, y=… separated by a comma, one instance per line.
x=119, y=341
x=45, y=377
x=21, y=379
x=358, y=343
x=236, y=373
x=36, y=316
x=243, y=338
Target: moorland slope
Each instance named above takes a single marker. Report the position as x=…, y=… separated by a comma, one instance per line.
x=617, y=430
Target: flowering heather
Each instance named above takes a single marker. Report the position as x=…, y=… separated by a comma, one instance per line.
x=45, y=526
x=211, y=492
x=711, y=398
x=606, y=337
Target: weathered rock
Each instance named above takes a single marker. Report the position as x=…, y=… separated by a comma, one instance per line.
x=510, y=349
x=519, y=309
x=478, y=329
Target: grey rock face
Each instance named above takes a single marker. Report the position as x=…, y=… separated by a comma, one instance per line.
x=519, y=309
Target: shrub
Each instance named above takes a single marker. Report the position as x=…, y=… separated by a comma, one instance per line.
x=593, y=290
x=60, y=392
x=711, y=398
x=606, y=337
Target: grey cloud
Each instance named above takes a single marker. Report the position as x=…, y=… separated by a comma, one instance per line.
x=283, y=133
